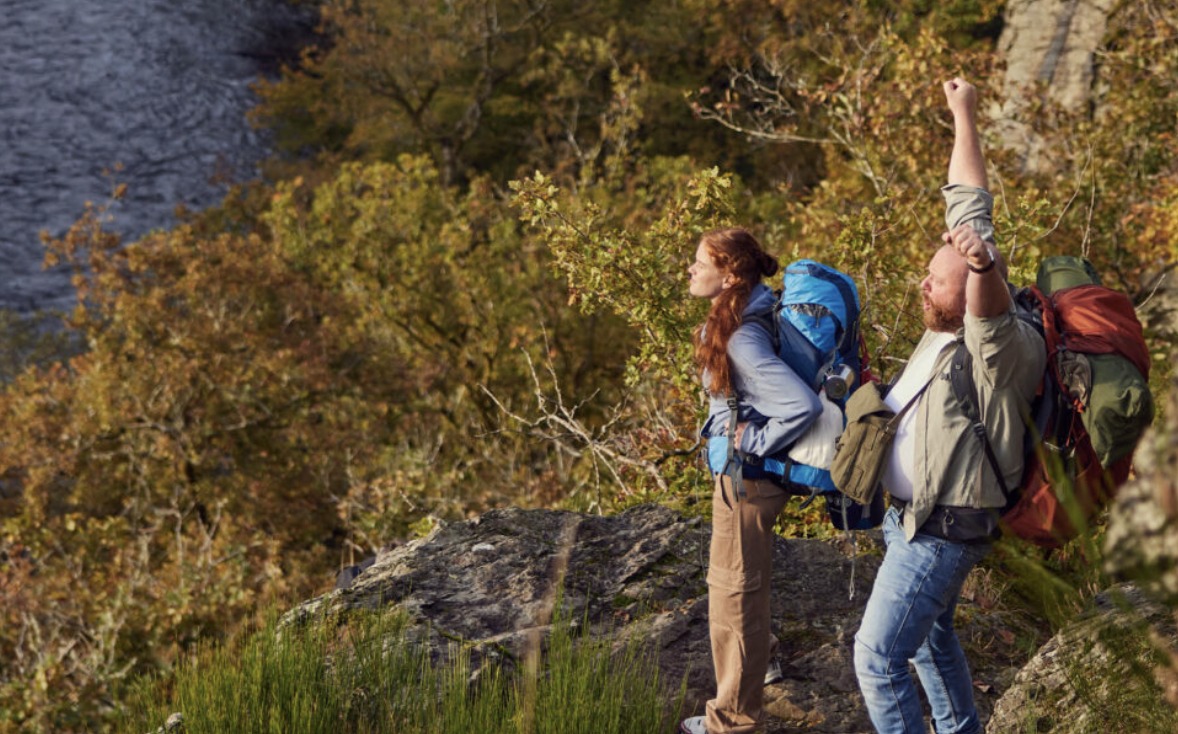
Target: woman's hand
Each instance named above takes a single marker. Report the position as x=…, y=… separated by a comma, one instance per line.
x=740, y=433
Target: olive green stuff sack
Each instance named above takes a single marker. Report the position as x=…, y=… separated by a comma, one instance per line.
x=864, y=445
x=1057, y=273
x=1120, y=407
x=1118, y=403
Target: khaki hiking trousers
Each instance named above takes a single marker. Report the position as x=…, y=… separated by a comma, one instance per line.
x=740, y=572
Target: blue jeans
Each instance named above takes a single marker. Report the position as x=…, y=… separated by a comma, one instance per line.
x=910, y=617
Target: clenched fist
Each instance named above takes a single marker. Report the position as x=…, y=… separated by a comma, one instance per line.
x=969, y=245
x=962, y=97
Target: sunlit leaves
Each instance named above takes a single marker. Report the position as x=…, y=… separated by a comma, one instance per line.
x=638, y=274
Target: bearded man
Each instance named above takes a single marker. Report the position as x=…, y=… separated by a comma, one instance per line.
x=945, y=493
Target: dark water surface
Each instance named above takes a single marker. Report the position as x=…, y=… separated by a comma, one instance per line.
x=161, y=86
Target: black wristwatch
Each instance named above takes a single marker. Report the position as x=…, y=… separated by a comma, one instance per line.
x=985, y=269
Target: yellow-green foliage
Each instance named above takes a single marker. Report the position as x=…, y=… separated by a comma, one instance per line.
x=311, y=376
x=391, y=329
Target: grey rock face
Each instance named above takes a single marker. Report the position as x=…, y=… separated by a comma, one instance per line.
x=1159, y=310
x=498, y=574
x=1142, y=540
x=489, y=583
x=1053, y=43
x=1094, y=675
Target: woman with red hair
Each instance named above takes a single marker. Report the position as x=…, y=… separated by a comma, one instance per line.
x=774, y=407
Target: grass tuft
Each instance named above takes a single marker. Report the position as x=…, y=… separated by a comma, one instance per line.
x=372, y=677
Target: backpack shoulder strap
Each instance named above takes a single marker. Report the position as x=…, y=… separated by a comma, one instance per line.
x=1028, y=307
x=767, y=320
x=734, y=463
x=966, y=393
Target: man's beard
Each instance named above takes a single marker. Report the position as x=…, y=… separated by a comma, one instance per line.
x=939, y=318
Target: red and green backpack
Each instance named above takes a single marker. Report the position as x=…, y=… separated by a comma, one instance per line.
x=1092, y=407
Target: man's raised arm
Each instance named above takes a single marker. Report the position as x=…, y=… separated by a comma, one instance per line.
x=969, y=214
x=966, y=164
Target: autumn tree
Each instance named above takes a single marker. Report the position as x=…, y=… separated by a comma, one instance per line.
x=260, y=398
x=416, y=76
x=388, y=331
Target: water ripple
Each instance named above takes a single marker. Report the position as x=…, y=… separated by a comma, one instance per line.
x=157, y=85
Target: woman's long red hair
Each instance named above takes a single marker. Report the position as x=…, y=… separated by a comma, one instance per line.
x=738, y=254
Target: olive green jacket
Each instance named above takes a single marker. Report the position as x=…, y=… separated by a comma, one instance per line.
x=1008, y=362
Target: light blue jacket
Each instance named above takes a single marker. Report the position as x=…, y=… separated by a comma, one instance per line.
x=776, y=403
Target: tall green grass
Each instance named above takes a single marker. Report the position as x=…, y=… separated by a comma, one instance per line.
x=370, y=676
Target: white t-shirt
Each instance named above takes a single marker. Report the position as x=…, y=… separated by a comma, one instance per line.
x=901, y=467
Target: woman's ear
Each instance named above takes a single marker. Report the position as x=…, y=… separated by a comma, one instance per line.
x=728, y=281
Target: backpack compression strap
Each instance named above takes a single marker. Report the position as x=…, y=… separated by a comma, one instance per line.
x=966, y=392
x=733, y=467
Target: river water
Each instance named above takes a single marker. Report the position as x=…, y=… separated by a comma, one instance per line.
x=160, y=86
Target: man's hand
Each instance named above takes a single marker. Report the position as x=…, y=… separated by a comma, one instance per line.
x=969, y=245
x=962, y=98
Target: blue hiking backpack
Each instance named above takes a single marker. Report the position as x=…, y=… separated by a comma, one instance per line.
x=814, y=327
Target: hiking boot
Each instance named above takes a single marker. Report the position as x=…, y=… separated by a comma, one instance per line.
x=773, y=674
x=694, y=725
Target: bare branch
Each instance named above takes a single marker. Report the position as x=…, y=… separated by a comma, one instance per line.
x=1067, y=206
x=559, y=424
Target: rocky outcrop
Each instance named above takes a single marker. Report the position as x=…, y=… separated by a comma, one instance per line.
x=1053, y=42
x=489, y=584
x=1093, y=675
x=1050, y=43
x=1142, y=541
